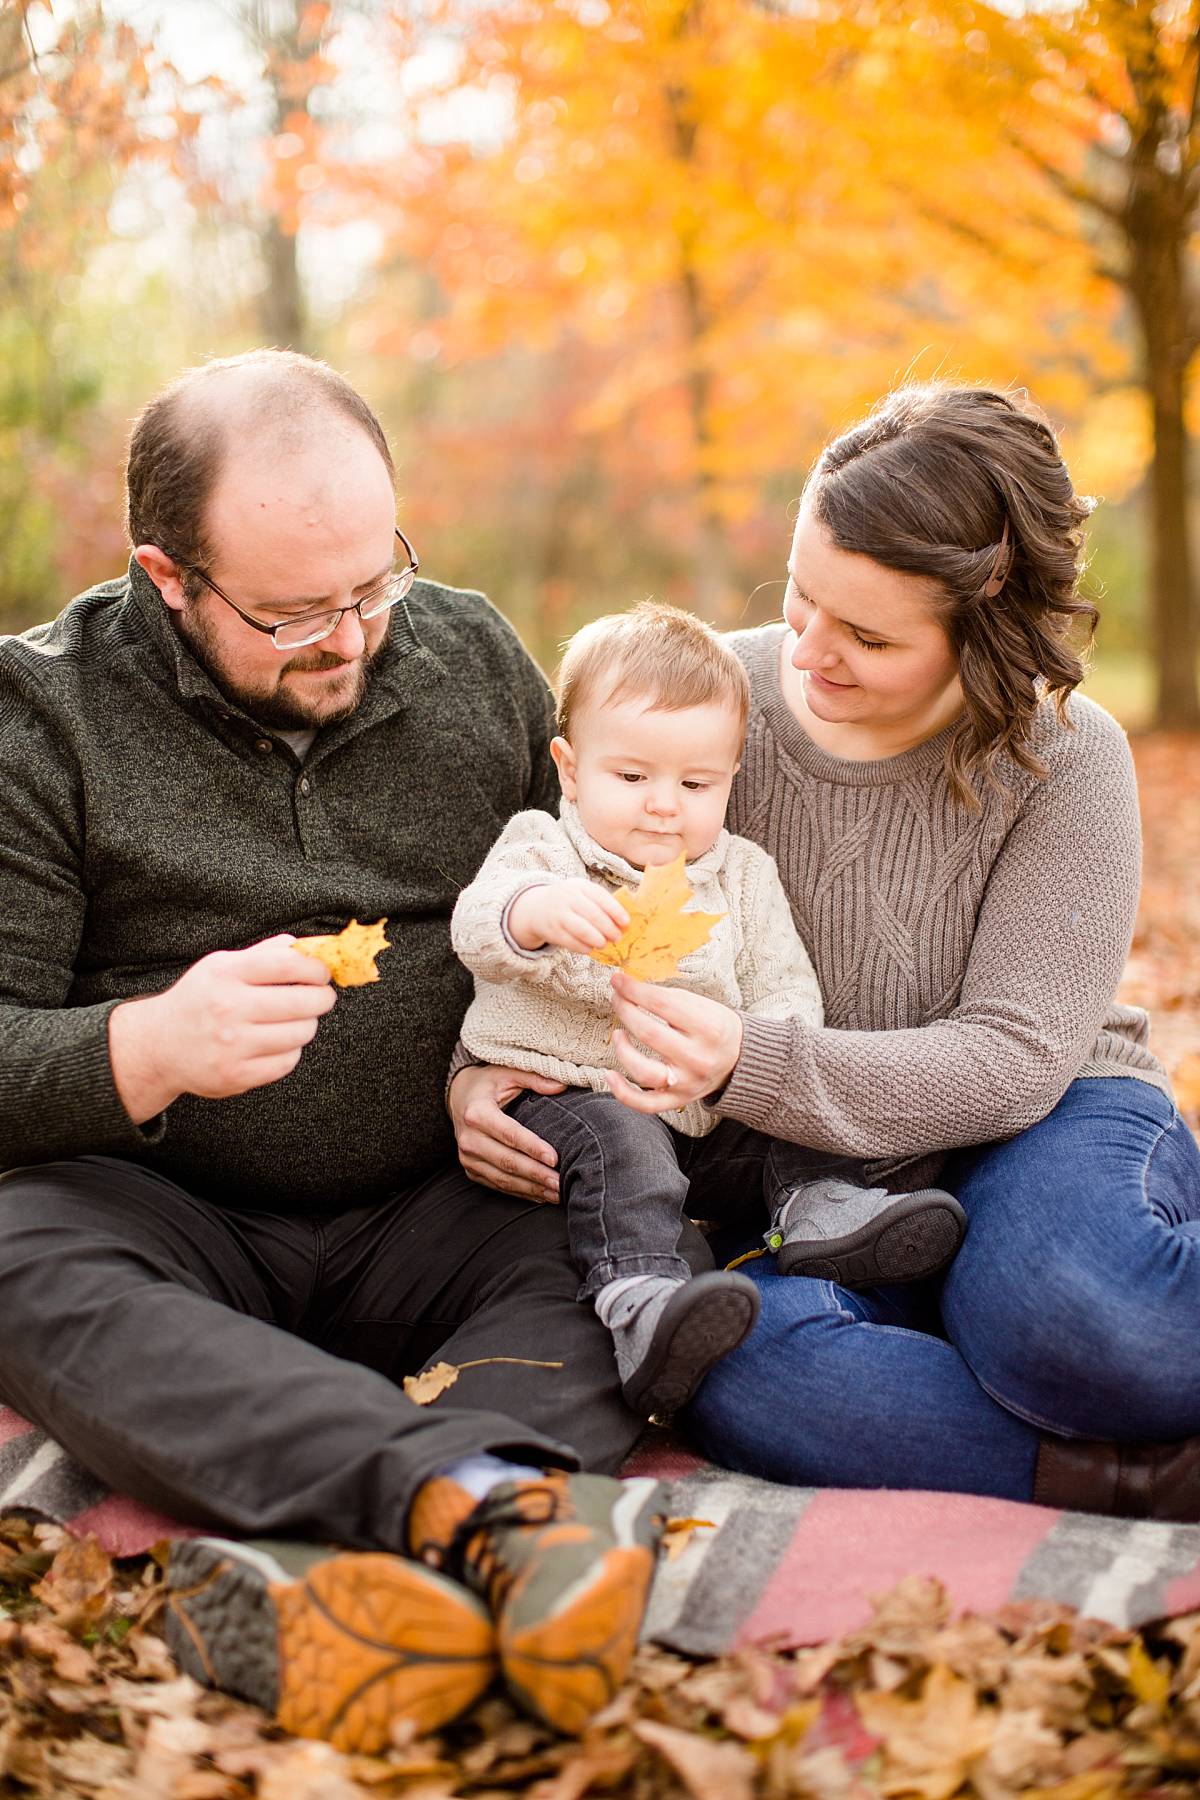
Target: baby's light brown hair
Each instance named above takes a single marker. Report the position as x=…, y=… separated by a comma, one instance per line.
x=669, y=656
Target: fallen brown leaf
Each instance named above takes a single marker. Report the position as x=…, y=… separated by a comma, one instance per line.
x=52, y=1643
x=424, y=1388
x=929, y=1742
x=78, y=1586
x=709, y=1769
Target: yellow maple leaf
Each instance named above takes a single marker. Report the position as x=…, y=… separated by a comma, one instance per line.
x=349, y=955
x=659, y=932
x=1149, y=1680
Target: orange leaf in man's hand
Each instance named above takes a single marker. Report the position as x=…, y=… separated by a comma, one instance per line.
x=659, y=932
x=350, y=954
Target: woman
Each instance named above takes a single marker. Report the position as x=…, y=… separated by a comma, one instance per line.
x=959, y=839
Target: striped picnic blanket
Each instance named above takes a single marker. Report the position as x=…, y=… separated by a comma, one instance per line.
x=783, y=1565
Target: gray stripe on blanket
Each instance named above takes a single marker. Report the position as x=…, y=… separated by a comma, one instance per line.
x=37, y=1476
x=701, y=1598
x=15, y=1455
x=1114, y=1569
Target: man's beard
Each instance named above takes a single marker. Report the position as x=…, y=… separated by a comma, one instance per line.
x=277, y=707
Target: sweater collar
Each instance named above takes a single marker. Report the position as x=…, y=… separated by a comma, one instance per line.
x=606, y=862
x=401, y=663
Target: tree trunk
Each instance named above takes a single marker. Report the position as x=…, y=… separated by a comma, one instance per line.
x=277, y=30
x=281, y=305
x=1157, y=228
x=1173, y=610
x=713, y=595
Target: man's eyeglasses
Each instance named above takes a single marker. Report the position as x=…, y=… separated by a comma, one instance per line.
x=310, y=628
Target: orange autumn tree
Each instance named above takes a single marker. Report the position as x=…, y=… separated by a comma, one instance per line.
x=1070, y=198
x=673, y=190
x=83, y=99
x=1109, y=117
x=732, y=224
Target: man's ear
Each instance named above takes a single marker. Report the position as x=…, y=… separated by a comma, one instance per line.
x=163, y=573
x=564, y=762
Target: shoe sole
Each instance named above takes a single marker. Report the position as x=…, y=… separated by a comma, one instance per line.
x=911, y=1240
x=707, y=1319
x=361, y=1641
x=563, y=1669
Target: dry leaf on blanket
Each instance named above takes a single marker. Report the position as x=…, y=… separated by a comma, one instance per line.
x=349, y=955
x=659, y=932
x=425, y=1387
x=678, y=1533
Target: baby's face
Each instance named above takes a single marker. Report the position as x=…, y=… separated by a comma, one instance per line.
x=650, y=783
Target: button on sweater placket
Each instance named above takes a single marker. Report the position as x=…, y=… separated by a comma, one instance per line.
x=308, y=817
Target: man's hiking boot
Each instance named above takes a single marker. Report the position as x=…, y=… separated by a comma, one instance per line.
x=564, y=1564
x=340, y=1646
x=668, y=1334
x=865, y=1237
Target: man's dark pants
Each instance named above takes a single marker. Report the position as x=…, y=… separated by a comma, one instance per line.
x=242, y=1369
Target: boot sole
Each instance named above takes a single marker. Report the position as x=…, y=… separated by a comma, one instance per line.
x=563, y=1669
x=703, y=1322
x=361, y=1641
x=911, y=1240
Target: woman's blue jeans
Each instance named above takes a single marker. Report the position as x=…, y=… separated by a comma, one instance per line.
x=1073, y=1307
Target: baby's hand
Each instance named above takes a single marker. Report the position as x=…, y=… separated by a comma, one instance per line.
x=576, y=915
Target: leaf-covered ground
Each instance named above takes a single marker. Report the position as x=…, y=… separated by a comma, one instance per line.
x=1029, y=1700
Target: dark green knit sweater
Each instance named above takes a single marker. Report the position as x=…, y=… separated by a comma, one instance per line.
x=145, y=821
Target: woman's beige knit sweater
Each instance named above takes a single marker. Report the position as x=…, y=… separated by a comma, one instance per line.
x=968, y=961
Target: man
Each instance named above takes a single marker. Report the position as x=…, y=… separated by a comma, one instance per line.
x=230, y=1223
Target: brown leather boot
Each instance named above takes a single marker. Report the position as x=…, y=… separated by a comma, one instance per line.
x=1127, y=1481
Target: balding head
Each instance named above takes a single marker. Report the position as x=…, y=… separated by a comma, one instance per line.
x=276, y=402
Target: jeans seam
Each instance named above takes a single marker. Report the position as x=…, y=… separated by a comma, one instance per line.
x=586, y=1126
x=1053, y=1426
x=1153, y=1152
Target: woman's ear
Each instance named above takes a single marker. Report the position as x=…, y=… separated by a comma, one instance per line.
x=564, y=762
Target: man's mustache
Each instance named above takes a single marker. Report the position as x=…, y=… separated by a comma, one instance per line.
x=320, y=659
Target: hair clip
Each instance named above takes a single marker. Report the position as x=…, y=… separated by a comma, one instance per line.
x=1000, y=567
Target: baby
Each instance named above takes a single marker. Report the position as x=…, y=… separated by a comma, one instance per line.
x=652, y=710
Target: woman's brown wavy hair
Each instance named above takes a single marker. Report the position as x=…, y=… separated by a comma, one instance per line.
x=926, y=485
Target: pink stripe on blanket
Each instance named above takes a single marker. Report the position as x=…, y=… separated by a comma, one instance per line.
x=872, y=1538
x=12, y=1425
x=126, y=1528
x=1183, y=1594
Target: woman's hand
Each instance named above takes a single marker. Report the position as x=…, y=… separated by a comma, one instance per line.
x=494, y=1149
x=696, y=1042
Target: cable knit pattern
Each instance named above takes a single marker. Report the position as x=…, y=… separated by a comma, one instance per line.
x=550, y=1011
x=968, y=961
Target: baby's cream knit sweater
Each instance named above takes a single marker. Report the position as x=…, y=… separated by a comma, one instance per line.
x=550, y=1011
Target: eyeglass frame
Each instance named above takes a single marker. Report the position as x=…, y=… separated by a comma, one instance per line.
x=406, y=575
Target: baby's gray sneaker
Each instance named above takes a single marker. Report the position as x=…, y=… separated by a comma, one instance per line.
x=865, y=1237
x=668, y=1335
